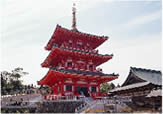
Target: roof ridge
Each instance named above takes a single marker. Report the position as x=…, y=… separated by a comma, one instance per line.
x=144, y=69
x=135, y=85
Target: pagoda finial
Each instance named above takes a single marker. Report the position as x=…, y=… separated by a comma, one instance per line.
x=74, y=17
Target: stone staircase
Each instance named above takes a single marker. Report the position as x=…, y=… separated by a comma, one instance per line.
x=90, y=104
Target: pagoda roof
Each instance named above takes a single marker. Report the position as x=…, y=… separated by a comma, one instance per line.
x=143, y=75
x=61, y=32
x=79, y=74
x=98, y=58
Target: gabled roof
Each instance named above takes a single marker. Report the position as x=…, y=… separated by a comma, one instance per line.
x=137, y=75
x=64, y=31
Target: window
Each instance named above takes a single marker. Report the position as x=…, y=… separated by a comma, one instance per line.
x=88, y=46
x=78, y=46
x=52, y=92
x=68, y=88
x=70, y=44
x=90, y=67
x=69, y=64
x=93, y=89
x=59, y=89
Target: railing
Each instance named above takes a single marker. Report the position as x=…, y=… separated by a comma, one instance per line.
x=61, y=98
x=65, y=45
x=23, y=100
x=87, y=104
x=118, y=101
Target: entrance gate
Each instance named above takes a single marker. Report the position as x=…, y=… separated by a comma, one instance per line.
x=83, y=90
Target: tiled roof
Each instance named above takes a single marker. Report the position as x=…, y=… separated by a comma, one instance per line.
x=151, y=76
x=83, y=52
x=78, y=32
x=130, y=86
x=145, y=70
x=84, y=73
x=78, y=51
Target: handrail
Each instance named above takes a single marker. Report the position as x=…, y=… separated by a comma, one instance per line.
x=87, y=103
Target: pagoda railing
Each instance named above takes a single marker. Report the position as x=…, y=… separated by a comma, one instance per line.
x=91, y=105
x=61, y=98
x=88, y=102
x=78, y=49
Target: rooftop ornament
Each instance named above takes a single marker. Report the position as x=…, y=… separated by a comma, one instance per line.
x=74, y=18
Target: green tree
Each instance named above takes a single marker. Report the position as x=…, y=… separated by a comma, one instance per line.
x=105, y=87
x=17, y=73
x=10, y=81
x=5, y=82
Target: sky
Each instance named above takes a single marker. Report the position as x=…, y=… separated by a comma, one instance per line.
x=134, y=28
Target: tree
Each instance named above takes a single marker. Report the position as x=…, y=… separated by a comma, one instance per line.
x=10, y=81
x=17, y=73
x=105, y=87
x=5, y=88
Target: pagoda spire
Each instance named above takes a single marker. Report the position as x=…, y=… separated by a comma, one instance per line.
x=74, y=17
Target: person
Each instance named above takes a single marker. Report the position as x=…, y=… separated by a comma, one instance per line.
x=11, y=100
x=89, y=93
x=21, y=101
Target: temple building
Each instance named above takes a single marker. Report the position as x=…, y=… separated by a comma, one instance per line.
x=140, y=82
x=144, y=86
x=73, y=62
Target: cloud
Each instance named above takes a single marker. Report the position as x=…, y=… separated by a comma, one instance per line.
x=138, y=21
x=142, y=52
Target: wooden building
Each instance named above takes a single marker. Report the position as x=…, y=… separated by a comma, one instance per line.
x=140, y=82
x=144, y=86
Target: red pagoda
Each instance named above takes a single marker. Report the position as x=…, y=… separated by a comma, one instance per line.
x=72, y=63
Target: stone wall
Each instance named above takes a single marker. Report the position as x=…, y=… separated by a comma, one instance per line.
x=18, y=109
x=58, y=107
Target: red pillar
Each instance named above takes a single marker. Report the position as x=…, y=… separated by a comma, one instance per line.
x=62, y=89
x=75, y=86
x=56, y=89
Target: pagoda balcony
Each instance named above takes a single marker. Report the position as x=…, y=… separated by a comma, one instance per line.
x=78, y=69
x=58, y=51
x=77, y=49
